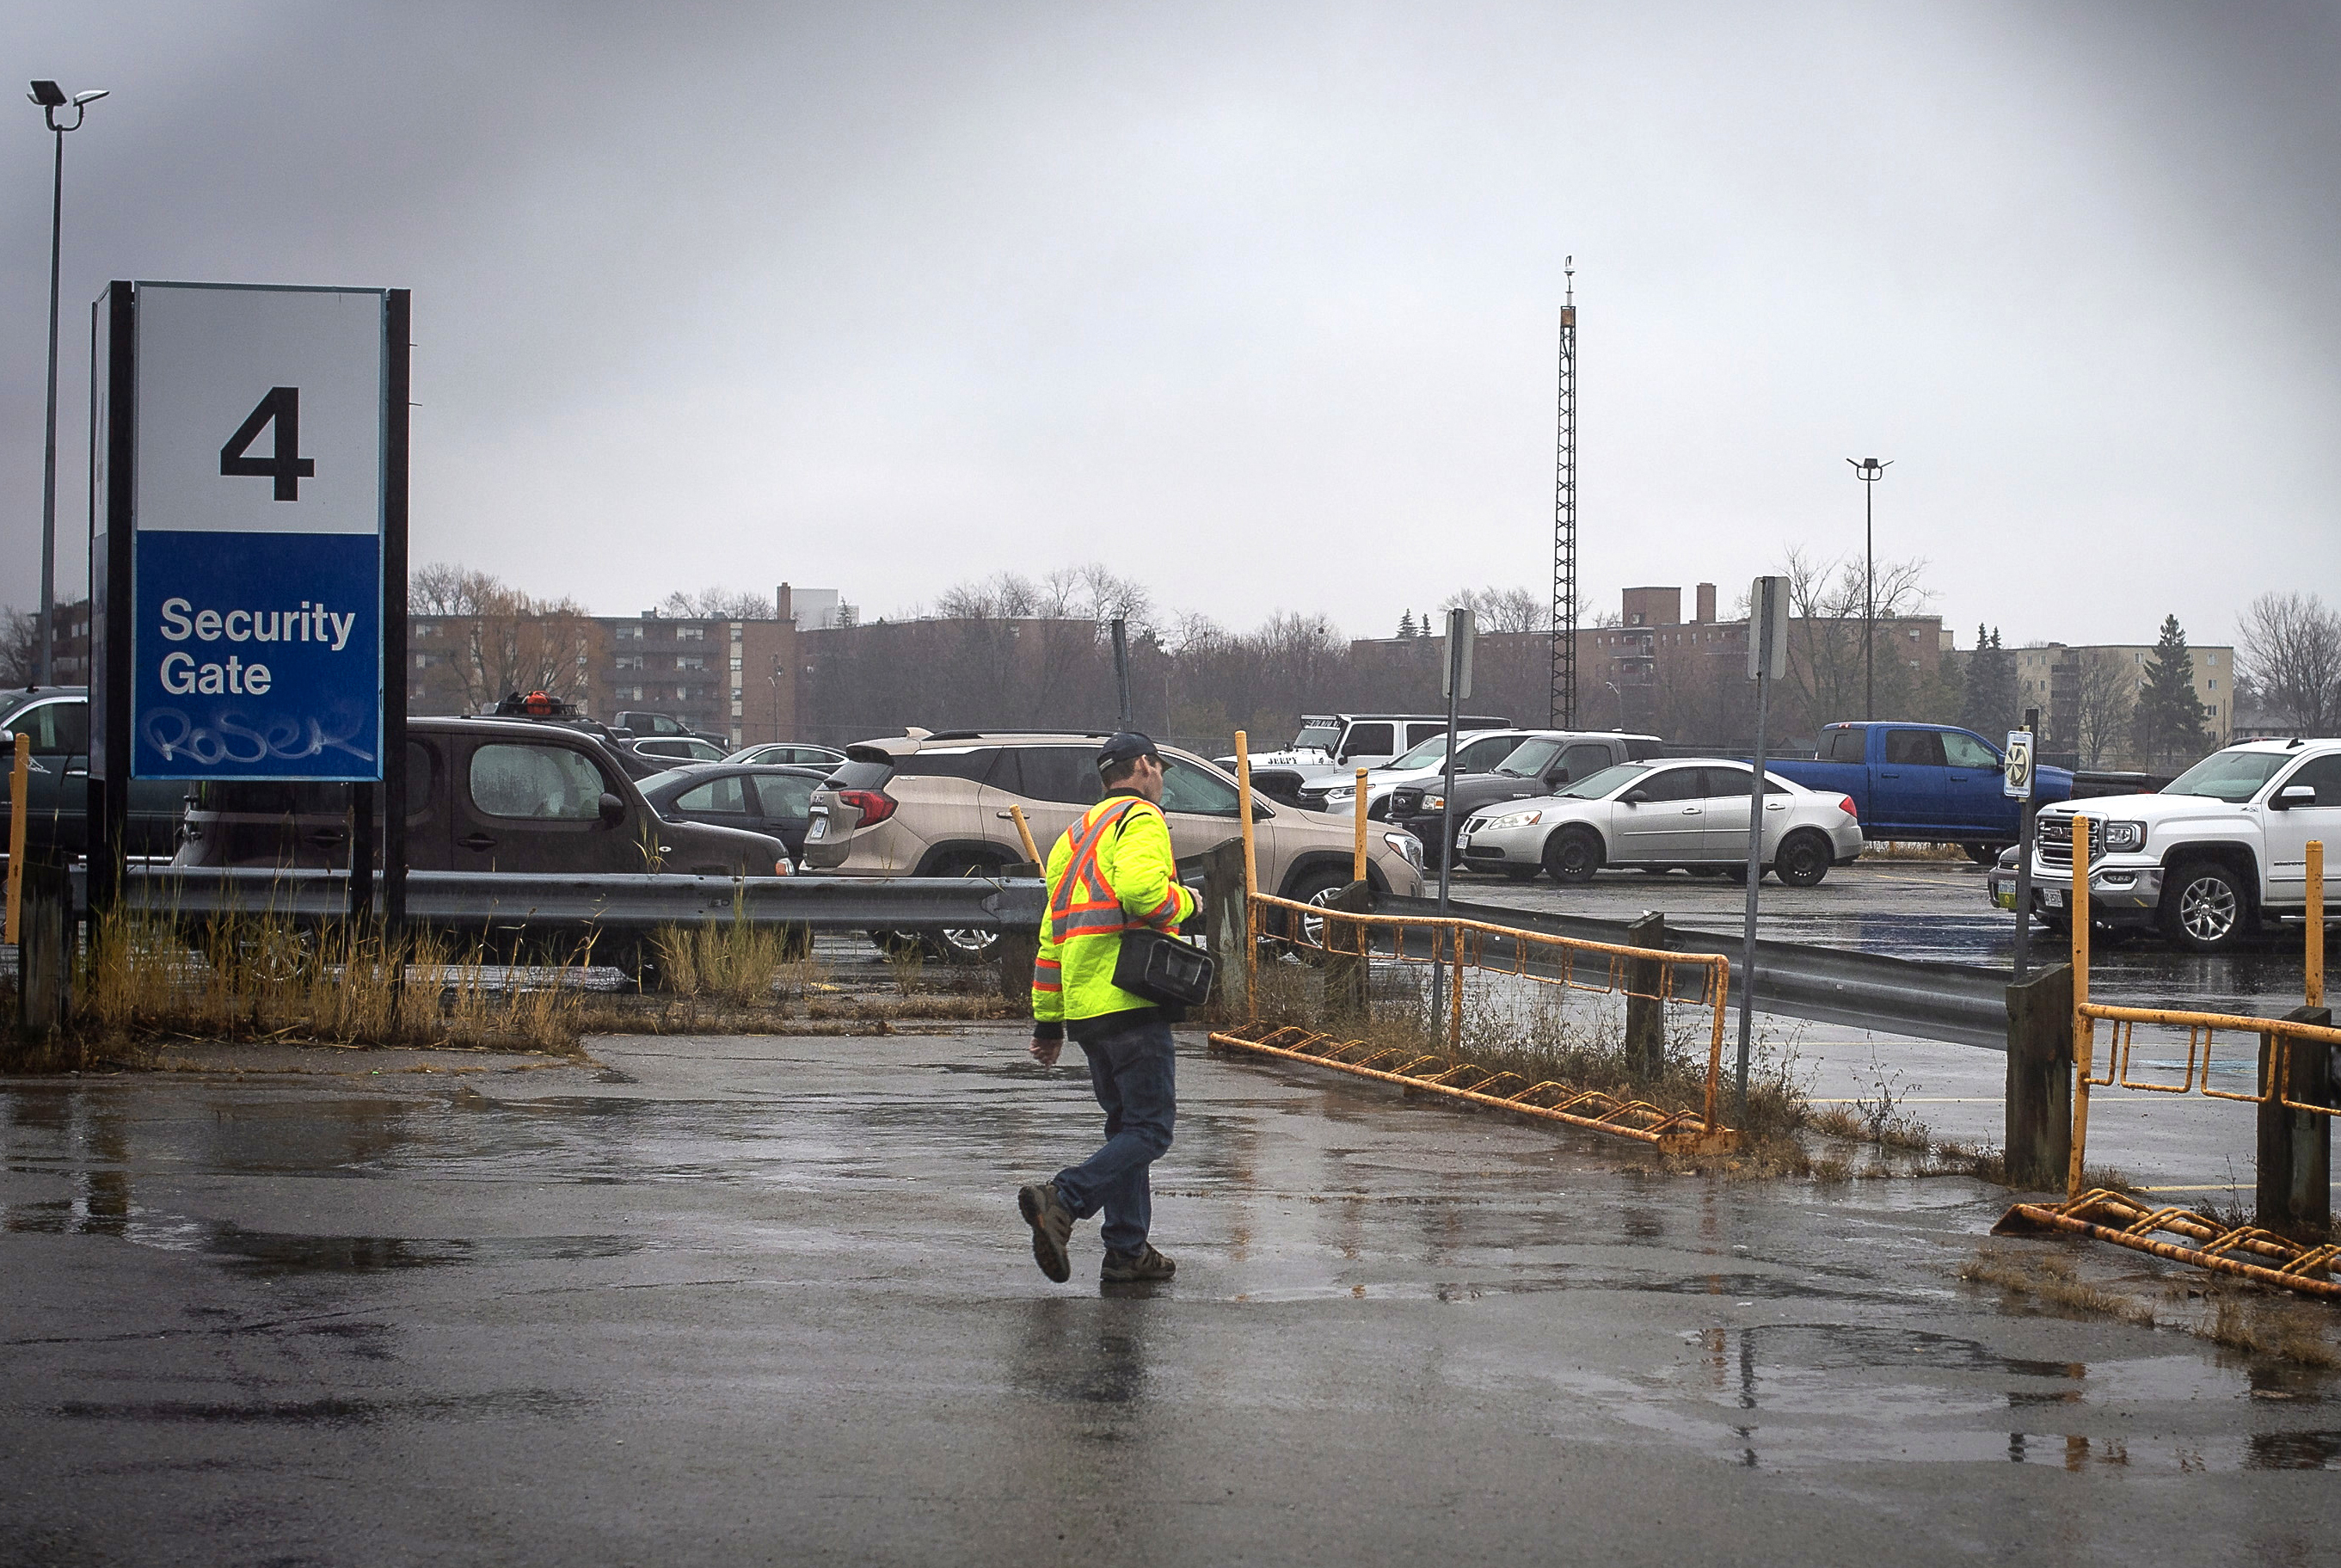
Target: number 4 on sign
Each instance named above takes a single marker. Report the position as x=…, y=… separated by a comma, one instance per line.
x=281, y=408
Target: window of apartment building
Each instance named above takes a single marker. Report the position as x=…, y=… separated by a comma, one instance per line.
x=735, y=630
x=629, y=661
x=691, y=633
x=630, y=633
x=689, y=662
x=735, y=666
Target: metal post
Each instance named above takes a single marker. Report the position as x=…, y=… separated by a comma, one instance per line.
x=20, y=784
x=1755, y=859
x=1868, y=602
x=2315, y=956
x=397, y=332
x=1357, y=855
x=1250, y=878
x=49, y=447
x=1646, y=984
x=1121, y=675
x=2295, y=1148
x=2038, y=1126
x=1447, y=809
x=2084, y=1032
x=2029, y=813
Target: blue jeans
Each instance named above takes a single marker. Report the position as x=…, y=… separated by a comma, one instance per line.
x=1133, y=1072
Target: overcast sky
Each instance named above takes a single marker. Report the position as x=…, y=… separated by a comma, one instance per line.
x=1256, y=303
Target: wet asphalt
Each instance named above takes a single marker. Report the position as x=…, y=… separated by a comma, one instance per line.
x=767, y=1299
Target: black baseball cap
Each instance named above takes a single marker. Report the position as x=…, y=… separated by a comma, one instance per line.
x=1123, y=747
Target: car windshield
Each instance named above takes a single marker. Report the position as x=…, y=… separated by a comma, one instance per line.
x=2231, y=777
x=1593, y=786
x=1425, y=756
x=1323, y=737
x=1530, y=758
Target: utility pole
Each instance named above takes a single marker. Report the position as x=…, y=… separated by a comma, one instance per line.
x=1563, y=708
x=1869, y=470
x=51, y=98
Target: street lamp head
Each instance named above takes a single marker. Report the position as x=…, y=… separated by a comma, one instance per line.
x=91, y=96
x=1869, y=470
x=51, y=97
x=47, y=95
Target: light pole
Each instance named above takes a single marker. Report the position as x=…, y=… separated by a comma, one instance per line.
x=51, y=98
x=1869, y=470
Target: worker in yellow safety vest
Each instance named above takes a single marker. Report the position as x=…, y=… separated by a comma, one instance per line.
x=1112, y=872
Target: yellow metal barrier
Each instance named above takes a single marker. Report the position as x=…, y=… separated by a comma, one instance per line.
x=1465, y=943
x=2245, y=1251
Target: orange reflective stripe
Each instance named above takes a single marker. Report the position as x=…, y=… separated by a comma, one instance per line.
x=1081, y=899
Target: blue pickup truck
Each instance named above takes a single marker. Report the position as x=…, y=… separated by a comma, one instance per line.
x=1925, y=781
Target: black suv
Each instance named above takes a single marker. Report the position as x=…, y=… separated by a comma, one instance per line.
x=483, y=794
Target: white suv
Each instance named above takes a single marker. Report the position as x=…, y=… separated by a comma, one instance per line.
x=2224, y=847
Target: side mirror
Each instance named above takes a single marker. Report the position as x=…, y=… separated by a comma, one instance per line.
x=1636, y=797
x=2292, y=795
x=613, y=809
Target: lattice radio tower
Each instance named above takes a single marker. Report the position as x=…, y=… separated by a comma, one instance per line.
x=1564, y=518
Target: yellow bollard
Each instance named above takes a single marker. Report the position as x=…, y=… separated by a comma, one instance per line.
x=1025, y=832
x=20, y=785
x=2084, y=1036
x=2317, y=920
x=1357, y=871
x=1251, y=876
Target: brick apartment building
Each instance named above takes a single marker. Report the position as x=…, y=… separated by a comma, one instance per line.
x=734, y=678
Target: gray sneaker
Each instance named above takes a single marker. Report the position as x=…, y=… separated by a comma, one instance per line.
x=1136, y=1268
x=1052, y=1228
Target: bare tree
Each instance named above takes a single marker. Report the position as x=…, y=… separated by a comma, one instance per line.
x=2292, y=656
x=485, y=639
x=1504, y=609
x=719, y=604
x=2102, y=696
x=1826, y=637
x=20, y=647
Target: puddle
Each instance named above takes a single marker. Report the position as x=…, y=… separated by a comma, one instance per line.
x=286, y=1252
x=535, y=1403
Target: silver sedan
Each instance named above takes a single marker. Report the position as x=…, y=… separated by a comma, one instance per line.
x=1690, y=811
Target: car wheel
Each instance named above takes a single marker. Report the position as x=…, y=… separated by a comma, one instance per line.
x=2205, y=907
x=1802, y=860
x=969, y=946
x=1519, y=874
x=1572, y=854
x=1306, y=933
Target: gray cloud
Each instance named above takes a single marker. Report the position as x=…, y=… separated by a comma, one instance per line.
x=1257, y=302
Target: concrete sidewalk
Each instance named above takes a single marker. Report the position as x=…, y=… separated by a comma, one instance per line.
x=768, y=1300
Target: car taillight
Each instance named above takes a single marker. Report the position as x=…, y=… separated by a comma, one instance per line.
x=1845, y=804
x=874, y=806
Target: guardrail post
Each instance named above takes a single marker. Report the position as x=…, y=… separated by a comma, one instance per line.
x=1345, y=948
x=1226, y=927
x=43, y=950
x=1646, y=1024
x=2296, y=1148
x=2039, y=1130
x=1019, y=950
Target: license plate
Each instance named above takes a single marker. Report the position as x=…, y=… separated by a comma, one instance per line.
x=2054, y=897
x=2005, y=897
x=820, y=828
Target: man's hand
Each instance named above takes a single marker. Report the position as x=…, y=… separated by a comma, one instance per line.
x=1046, y=1052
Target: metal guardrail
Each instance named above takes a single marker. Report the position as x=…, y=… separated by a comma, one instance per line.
x=1963, y=1004
x=462, y=899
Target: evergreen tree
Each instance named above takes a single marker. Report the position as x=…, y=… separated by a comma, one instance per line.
x=2170, y=718
x=1406, y=624
x=1989, y=705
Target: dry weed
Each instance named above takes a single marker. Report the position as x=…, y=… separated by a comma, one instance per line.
x=2049, y=1278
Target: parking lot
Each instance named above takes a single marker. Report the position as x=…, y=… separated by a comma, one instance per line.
x=767, y=1299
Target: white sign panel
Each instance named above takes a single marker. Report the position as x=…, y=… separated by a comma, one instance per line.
x=2016, y=778
x=257, y=555
x=1767, y=629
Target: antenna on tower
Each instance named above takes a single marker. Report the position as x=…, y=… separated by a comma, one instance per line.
x=1563, y=713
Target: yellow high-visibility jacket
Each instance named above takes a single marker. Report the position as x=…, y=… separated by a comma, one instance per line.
x=1111, y=871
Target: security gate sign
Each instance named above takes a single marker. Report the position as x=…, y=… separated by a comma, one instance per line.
x=258, y=519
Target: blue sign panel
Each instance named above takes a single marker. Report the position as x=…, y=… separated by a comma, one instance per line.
x=257, y=561
x=257, y=655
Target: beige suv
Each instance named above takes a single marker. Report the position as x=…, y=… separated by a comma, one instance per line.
x=936, y=805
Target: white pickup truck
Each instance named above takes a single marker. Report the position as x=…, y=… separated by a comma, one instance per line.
x=2220, y=850
x=1340, y=744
